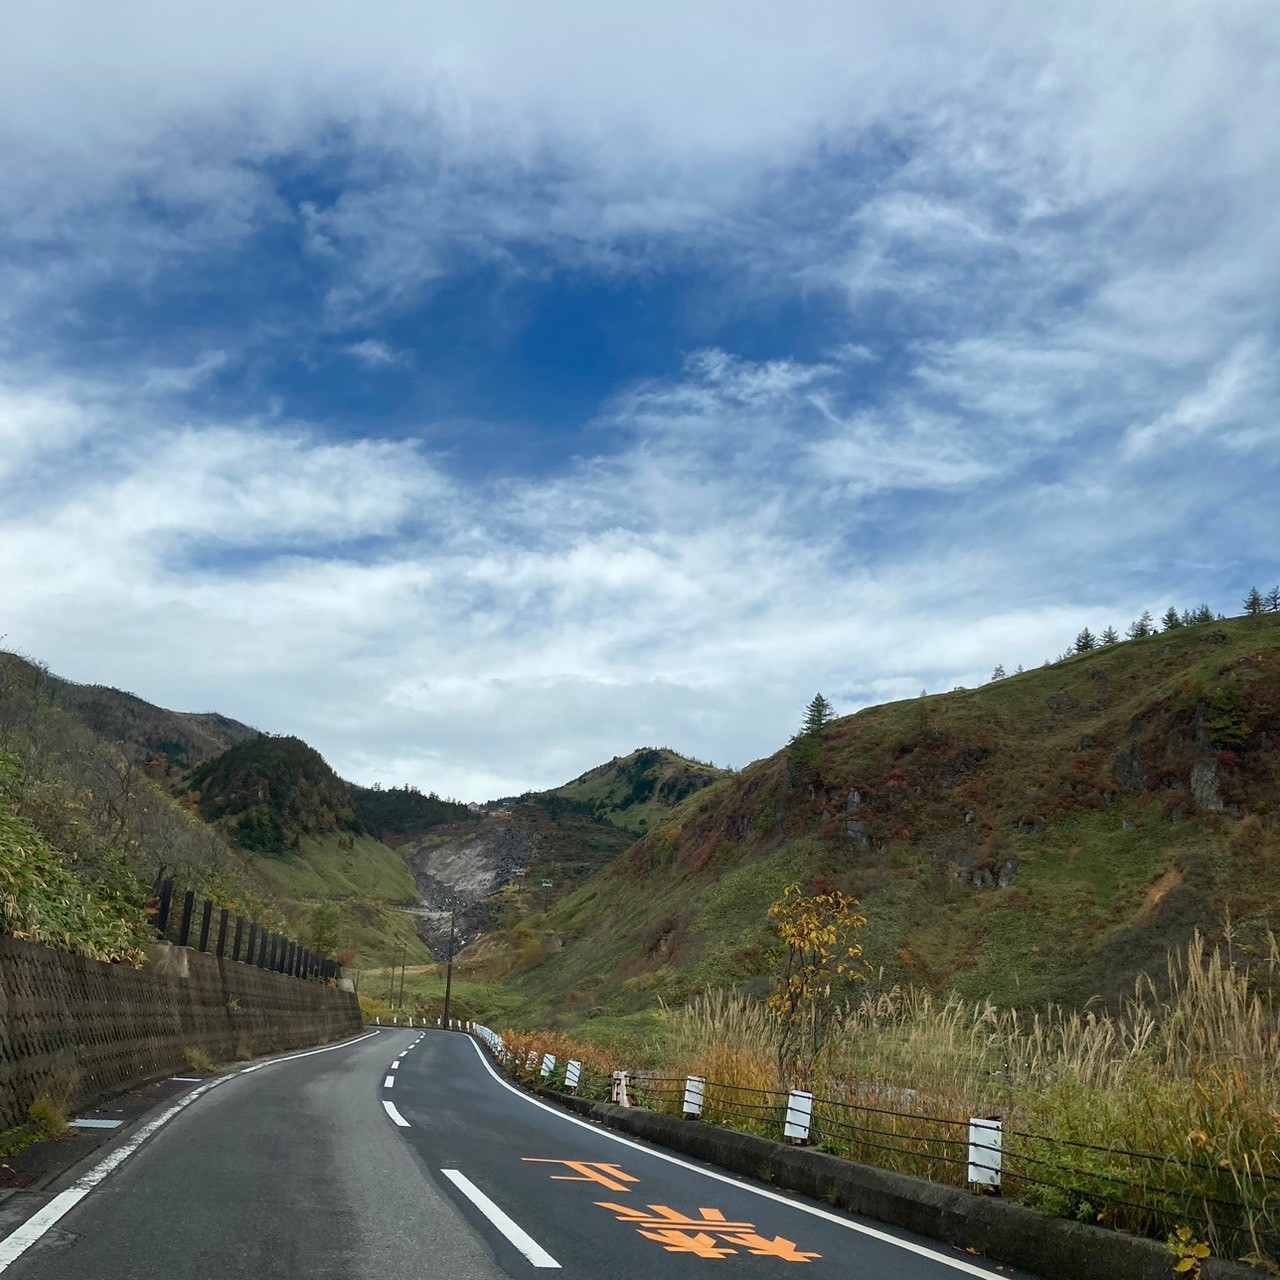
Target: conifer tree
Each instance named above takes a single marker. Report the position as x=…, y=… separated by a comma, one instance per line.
x=1085, y=641
x=1110, y=636
x=1172, y=620
x=999, y=672
x=1144, y=626
x=1188, y=618
x=1273, y=600
x=1254, y=603
x=1204, y=614
x=817, y=716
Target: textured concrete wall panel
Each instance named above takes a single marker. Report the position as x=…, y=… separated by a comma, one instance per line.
x=77, y=1030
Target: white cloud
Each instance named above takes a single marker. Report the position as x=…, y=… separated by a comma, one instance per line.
x=376, y=354
x=1046, y=400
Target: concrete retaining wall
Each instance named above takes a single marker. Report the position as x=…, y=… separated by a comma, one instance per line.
x=78, y=1030
x=999, y=1230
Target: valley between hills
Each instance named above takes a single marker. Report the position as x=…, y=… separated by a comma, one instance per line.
x=1043, y=838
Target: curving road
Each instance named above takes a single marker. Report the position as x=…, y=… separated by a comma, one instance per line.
x=405, y=1155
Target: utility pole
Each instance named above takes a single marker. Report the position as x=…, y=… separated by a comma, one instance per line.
x=547, y=886
x=448, y=970
x=404, y=960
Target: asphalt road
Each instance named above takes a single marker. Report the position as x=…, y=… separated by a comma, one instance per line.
x=405, y=1155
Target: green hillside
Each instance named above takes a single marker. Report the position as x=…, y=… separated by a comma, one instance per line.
x=1045, y=836
x=638, y=791
x=267, y=793
x=395, y=815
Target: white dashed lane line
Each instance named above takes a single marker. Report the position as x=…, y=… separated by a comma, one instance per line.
x=389, y=1082
x=390, y=1108
x=509, y=1228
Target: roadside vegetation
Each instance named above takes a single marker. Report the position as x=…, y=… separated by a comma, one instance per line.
x=1186, y=1070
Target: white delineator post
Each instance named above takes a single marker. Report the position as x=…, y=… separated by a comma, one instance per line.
x=572, y=1074
x=548, y=1064
x=618, y=1090
x=695, y=1090
x=799, y=1117
x=986, y=1143
x=411, y=1019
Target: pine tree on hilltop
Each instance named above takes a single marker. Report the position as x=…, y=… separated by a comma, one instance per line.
x=998, y=673
x=1204, y=614
x=1143, y=627
x=1085, y=641
x=1254, y=603
x=1273, y=600
x=1172, y=619
x=1188, y=618
x=817, y=716
x=1110, y=636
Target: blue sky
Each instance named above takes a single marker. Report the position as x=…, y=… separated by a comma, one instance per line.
x=483, y=392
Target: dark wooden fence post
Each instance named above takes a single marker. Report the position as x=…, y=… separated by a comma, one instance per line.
x=162, y=911
x=224, y=919
x=275, y=943
x=206, y=919
x=188, y=910
x=235, y=946
x=262, y=948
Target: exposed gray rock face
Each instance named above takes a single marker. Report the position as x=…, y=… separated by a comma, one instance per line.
x=462, y=870
x=1128, y=769
x=857, y=832
x=1008, y=872
x=1204, y=786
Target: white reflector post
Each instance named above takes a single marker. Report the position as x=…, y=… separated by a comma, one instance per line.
x=548, y=1064
x=799, y=1114
x=695, y=1089
x=572, y=1074
x=618, y=1091
x=985, y=1146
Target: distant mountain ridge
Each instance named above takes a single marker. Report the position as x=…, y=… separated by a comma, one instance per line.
x=181, y=740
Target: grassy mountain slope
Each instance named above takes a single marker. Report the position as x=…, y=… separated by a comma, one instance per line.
x=1045, y=836
x=309, y=834
x=86, y=824
x=175, y=740
x=636, y=792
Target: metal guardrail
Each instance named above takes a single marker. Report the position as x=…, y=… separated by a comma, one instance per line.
x=1151, y=1193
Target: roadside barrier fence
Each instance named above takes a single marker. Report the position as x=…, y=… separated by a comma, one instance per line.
x=181, y=920
x=1138, y=1191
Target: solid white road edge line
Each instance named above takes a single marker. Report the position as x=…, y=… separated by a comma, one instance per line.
x=307, y=1053
x=390, y=1109
x=514, y=1232
x=17, y=1242
x=955, y=1263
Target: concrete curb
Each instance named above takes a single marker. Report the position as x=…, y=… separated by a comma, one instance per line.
x=1000, y=1230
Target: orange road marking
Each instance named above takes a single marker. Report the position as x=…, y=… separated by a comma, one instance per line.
x=677, y=1233
x=609, y=1176
x=661, y=1215
x=704, y=1246
x=775, y=1248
